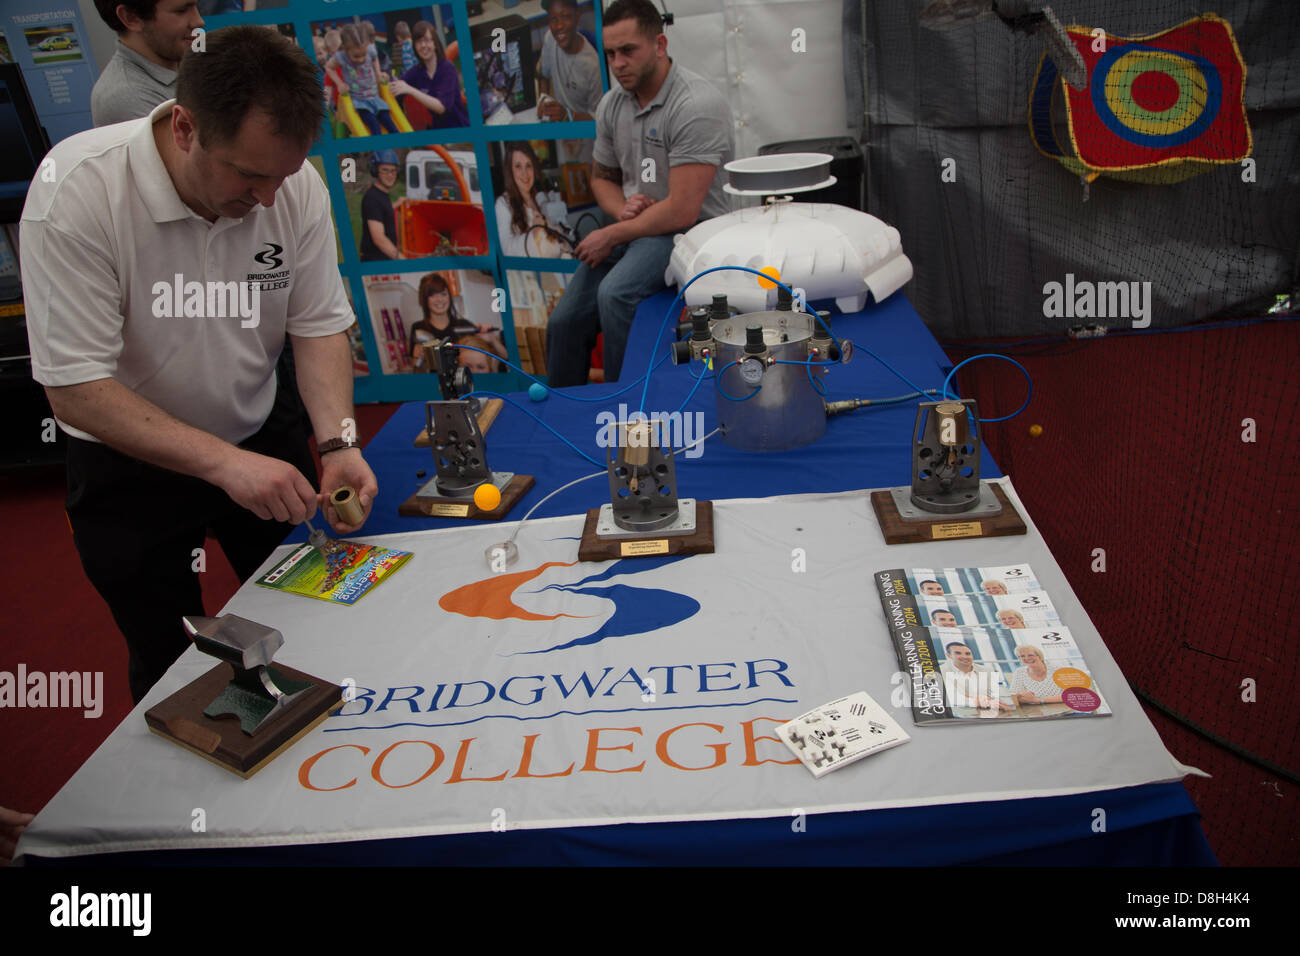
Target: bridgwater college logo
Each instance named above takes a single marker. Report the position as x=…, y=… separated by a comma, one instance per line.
x=275, y=276
x=637, y=610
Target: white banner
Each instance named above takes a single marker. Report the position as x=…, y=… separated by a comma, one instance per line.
x=559, y=693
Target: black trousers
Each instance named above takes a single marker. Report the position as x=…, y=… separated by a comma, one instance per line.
x=136, y=527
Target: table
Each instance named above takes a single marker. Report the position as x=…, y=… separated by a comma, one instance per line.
x=1155, y=823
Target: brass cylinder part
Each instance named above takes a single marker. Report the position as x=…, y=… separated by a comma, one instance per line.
x=951, y=426
x=636, y=445
x=348, y=505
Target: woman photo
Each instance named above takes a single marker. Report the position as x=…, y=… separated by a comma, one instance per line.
x=439, y=319
x=433, y=82
x=519, y=215
x=481, y=362
x=1031, y=683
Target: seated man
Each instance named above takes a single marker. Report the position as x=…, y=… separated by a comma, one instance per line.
x=161, y=268
x=661, y=141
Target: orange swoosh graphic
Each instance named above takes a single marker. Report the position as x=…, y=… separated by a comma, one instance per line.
x=490, y=597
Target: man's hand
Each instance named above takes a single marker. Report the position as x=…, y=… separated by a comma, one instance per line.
x=268, y=487
x=636, y=204
x=346, y=467
x=552, y=110
x=596, y=248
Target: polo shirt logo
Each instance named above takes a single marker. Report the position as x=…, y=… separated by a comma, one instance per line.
x=276, y=278
x=270, y=256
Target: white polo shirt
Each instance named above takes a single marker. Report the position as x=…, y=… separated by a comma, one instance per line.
x=101, y=247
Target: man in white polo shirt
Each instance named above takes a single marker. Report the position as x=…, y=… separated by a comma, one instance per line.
x=162, y=267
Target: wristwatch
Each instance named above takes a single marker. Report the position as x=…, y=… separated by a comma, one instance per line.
x=334, y=444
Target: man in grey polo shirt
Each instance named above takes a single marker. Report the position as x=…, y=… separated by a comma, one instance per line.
x=662, y=138
x=152, y=36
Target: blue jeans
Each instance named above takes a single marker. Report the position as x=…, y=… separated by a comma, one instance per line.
x=603, y=299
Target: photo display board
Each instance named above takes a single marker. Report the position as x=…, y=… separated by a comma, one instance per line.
x=458, y=176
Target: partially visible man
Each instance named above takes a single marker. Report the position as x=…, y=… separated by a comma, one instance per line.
x=161, y=269
x=152, y=36
x=662, y=139
x=569, y=68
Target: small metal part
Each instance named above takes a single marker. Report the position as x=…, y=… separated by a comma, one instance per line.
x=946, y=457
x=642, y=479
x=459, y=455
x=986, y=506
x=607, y=526
x=258, y=693
x=347, y=503
x=455, y=381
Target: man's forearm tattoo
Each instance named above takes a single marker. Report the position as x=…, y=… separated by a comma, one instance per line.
x=613, y=173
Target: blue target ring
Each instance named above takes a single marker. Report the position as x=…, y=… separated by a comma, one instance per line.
x=1213, y=99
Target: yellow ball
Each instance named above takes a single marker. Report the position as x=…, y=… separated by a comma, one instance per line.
x=1035, y=431
x=772, y=272
x=486, y=497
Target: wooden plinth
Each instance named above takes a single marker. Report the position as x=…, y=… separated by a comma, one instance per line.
x=181, y=720
x=486, y=416
x=699, y=541
x=416, y=507
x=944, y=527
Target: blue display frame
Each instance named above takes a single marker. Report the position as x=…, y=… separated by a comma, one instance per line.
x=379, y=386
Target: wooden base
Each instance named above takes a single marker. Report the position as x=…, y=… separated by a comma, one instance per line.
x=415, y=507
x=486, y=416
x=699, y=541
x=181, y=720
x=944, y=527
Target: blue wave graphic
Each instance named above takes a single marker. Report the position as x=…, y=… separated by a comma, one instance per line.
x=636, y=611
x=570, y=713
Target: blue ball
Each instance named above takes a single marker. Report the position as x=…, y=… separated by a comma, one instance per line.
x=537, y=391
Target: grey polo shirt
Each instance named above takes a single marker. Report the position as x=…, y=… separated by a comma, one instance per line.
x=129, y=87
x=575, y=78
x=688, y=121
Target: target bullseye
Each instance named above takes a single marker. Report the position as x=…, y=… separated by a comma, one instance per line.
x=1155, y=98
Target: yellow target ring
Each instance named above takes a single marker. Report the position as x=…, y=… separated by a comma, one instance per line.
x=1193, y=92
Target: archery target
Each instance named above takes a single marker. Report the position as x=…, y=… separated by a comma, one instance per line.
x=1155, y=98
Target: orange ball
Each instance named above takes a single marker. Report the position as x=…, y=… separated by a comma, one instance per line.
x=1035, y=431
x=772, y=273
x=487, y=497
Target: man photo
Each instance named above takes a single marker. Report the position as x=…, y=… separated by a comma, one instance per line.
x=568, y=69
x=378, y=218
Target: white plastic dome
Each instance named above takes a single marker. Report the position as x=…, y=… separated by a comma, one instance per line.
x=829, y=251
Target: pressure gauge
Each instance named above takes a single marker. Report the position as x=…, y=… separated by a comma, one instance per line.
x=751, y=370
